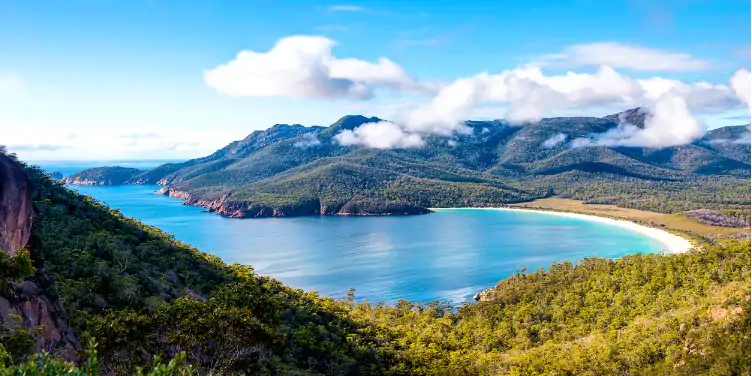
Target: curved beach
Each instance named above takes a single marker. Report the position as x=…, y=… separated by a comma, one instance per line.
x=673, y=243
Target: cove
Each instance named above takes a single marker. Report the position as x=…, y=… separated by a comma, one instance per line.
x=449, y=255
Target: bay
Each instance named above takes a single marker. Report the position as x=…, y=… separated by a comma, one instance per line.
x=448, y=255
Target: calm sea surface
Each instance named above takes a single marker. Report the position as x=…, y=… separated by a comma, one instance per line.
x=449, y=255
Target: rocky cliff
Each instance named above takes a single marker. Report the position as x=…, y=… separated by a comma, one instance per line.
x=29, y=303
x=15, y=206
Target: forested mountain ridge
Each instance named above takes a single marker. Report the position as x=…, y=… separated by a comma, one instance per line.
x=295, y=170
x=139, y=293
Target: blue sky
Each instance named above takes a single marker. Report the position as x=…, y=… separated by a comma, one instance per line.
x=125, y=79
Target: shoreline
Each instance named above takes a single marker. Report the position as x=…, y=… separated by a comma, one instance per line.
x=673, y=243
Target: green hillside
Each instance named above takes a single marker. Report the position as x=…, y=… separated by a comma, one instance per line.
x=103, y=176
x=138, y=294
x=297, y=170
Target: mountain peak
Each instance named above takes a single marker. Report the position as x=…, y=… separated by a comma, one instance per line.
x=353, y=121
x=349, y=122
x=635, y=116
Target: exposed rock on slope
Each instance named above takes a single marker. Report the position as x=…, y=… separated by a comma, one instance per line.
x=15, y=206
x=27, y=299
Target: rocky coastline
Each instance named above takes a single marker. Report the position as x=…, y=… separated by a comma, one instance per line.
x=84, y=181
x=114, y=175
x=228, y=207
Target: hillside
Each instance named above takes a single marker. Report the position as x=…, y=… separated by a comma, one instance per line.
x=102, y=176
x=290, y=170
x=139, y=294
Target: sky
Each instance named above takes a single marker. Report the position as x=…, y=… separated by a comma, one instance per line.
x=158, y=79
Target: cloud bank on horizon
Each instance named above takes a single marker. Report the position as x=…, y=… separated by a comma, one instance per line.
x=618, y=55
x=304, y=66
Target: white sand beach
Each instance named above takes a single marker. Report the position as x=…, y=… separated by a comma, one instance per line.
x=672, y=243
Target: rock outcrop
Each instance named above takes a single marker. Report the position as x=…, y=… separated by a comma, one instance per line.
x=28, y=303
x=15, y=206
x=484, y=296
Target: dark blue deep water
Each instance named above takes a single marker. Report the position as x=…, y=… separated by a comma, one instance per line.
x=449, y=255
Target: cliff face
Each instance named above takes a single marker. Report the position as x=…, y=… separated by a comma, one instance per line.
x=15, y=207
x=28, y=299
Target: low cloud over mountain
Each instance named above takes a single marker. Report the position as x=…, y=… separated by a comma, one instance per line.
x=304, y=66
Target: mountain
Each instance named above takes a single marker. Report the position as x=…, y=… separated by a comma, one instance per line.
x=290, y=170
x=78, y=272
x=732, y=142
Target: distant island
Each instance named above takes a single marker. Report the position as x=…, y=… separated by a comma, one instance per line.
x=102, y=176
x=293, y=170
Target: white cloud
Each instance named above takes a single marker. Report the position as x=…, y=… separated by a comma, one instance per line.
x=381, y=135
x=443, y=115
x=530, y=95
x=668, y=123
x=308, y=140
x=554, y=140
x=624, y=56
x=144, y=138
x=136, y=136
x=346, y=8
x=743, y=139
x=303, y=66
x=29, y=147
x=740, y=82
x=698, y=95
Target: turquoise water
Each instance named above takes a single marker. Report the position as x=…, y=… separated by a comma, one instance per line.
x=449, y=255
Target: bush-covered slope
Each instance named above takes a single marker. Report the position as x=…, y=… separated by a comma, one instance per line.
x=103, y=176
x=101, y=259
x=644, y=314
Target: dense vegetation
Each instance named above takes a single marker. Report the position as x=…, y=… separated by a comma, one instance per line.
x=102, y=259
x=103, y=176
x=139, y=294
x=721, y=193
x=295, y=170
